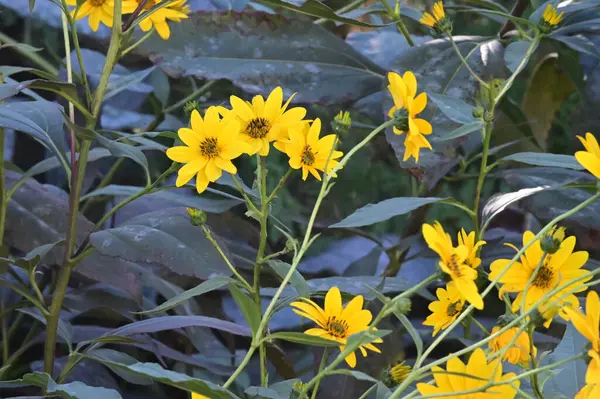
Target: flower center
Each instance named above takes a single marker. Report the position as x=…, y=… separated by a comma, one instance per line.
x=337, y=327
x=454, y=266
x=308, y=157
x=543, y=278
x=453, y=309
x=209, y=147
x=97, y=3
x=258, y=128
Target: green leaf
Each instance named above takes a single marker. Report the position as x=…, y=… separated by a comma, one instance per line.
x=317, y=9
x=414, y=334
x=297, y=281
x=363, y=338
x=125, y=150
x=580, y=44
x=261, y=392
x=195, y=201
x=31, y=5
x=247, y=306
x=207, y=286
x=33, y=257
x=122, y=82
x=64, y=330
x=171, y=378
x=316, y=64
x=543, y=159
x=453, y=108
x=73, y=390
x=119, y=357
x=165, y=238
x=164, y=323
x=462, y=131
x=42, y=120
x=359, y=375
x=304, y=339
x=497, y=203
x=514, y=54
x=384, y=210
x=110, y=339
x=68, y=91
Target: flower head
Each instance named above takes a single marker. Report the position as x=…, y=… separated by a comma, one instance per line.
x=406, y=107
x=262, y=122
x=557, y=271
x=336, y=322
x=395, y=375
x=309, y=152
x=101, y=11
x=551, y=15
x=446, y=310
x=520, y=350
x=468, y=241
x=590, y=158
x=454, y=262
x=174, y=11
x=210, y=145
x=588, y=325
x=437, y=19
x=477, y=373
x=589, y=391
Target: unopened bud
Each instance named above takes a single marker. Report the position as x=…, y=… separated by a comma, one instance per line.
x=488, y=116
x=197, y=216
x=402, y=305
x=291, y=244
x=551, y=241
x=342, y=122
x=401, y=119
x=395, y=375
x=478, y=111
x=505, y=319
x=190, y=106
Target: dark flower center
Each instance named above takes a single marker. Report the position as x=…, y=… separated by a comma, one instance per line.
x=543, y=278
x=258, y=128
x=337, y=327
x=454, y=266
x=209, y=147
x=454, y=308
x=308, y=157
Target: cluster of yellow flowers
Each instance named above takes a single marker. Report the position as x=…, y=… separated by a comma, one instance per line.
x=212, y=142
x=103, y=11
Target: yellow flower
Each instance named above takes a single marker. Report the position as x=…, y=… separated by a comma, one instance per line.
x=210, y=145
x=336, y=322
x=262, y=122
x=446, y=310
x=437, y=14
x=398, y=373
x=453, y=261
x=405, y=109
x=551, y=15
x=519, y=352
x=198, y=396
x=557, y=270
x=477, y=373
x=589, y=391
x=101, y=11
x=589, y=326
x=590, y=158
x=309, y=152
x=175, y=11
x=468, y=241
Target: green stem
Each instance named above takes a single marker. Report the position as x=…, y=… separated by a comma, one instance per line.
x=65, y=273
x=533, y=364
x=31, y=55
x=249, y=202
x=263, y=218
x=368, y=391
x=465, y=62
x=321, y=367
x=4, y=335
x=402, y=28
x=481, y=179
x=3, y=194
x=507, y=85
x=216, y=245
x=241, y=366
x=479, y=325
x=106, y=180
x=134, y=45
x=280, y=184
x=349, y=7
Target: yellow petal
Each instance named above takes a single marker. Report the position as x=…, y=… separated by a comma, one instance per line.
x=213, y=172
x=333, y=302
x=589, y=161
x=201, y=182
x=273, y=104
x=411, y=83
x=182, y=154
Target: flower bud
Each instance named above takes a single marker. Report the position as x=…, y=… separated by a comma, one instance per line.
x=395, y=375
x=551, y=241
x=291, y=244
x=402, y=305
x=478, y=111
x=342, y=122
x=401, y=119
x=197, y=216
x=191, y=106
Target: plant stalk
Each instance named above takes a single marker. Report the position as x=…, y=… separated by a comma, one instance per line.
x=481, y=179
x=3, y=194
x=263, y=218
x=321, y=367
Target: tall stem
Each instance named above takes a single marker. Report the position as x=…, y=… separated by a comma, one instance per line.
x=482, y=173
x=321, y=367
x=3, y=195
x=264, y=213
x=76, y=188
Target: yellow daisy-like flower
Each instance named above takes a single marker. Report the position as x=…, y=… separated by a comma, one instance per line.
x=477, y=373
x=446, y=310
x=262, y=122
x=551, y=15
x=590, y=158
x=406, y=107
x=175, y=11
x=453, y=261
x=589, y=326
x=437, y=14
x=309, y=152
x=519, y=352
x=336, y=322
x=468, y=241
x=557, y=270
x=101, y=11
x=399, y=373
x=589, y=391
x=210, y=145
